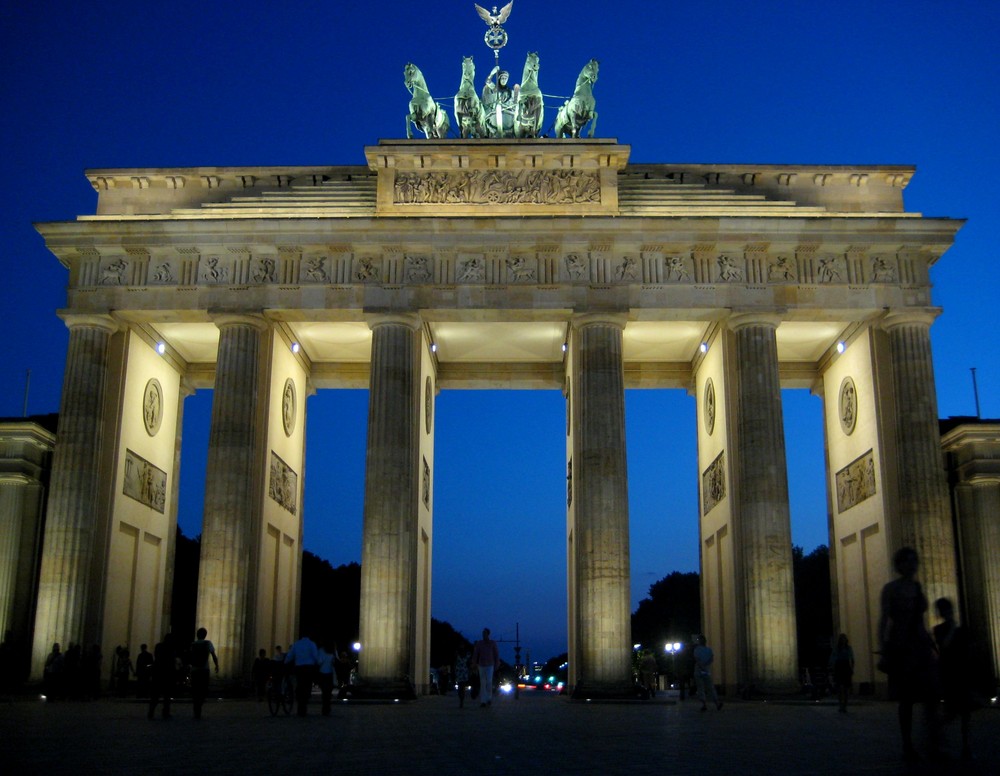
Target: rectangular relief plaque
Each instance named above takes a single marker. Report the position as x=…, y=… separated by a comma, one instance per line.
x=713, y=483
x=283, y=484
x=144, y=482
x=856, y=482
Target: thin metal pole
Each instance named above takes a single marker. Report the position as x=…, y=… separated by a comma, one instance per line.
x=27, y=385
x=975, y=392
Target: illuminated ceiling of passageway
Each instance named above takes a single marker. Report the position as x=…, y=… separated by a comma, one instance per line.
x=481, y=343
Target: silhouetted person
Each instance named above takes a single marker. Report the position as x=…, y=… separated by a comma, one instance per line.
x=908, y=652
x=304, y=655
x=325, y=675
x=162, y=674
x=260, y=672
x=647, y=672
x=703, y=659
x=461, y=674
x=52, y=674
x=842, y=668
x=123, y=668
x=957, y=663
x=201, y=650
x=342, y=665
x=143, y=667
x=444, y=679
x=486, y=657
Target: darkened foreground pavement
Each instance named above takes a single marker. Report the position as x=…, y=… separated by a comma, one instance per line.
x=534, y=735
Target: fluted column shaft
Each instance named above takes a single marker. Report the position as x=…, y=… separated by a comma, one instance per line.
x=230, y=530
x=601, y=485
x=979, y=512
x=67, y=555
x=764, y=526
x=389, y=544
x=924, y=513
x=13, y=496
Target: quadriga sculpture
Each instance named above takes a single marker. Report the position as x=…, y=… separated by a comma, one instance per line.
x=425, y=114
x=579, y=109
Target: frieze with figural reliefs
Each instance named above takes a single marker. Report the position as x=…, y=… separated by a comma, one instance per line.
x=701, y=268
x=497, y=187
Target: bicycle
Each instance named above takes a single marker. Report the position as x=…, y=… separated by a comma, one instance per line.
x=280, y=695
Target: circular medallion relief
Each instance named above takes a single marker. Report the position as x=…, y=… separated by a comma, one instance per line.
x=709, y=408
x=847, y=405
x=288, y=407
x=428, y=405
x=152, y=406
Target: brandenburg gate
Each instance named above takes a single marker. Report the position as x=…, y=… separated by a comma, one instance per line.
x=491, y=263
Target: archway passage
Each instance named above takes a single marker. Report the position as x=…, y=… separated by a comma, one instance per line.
x=528, y=264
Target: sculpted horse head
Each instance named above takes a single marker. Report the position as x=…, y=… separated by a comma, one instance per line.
x=413, y=78
x=530, y=73
x=468, y=71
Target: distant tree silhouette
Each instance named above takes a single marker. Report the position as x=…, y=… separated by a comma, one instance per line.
x=330, y=604
x=672, y=612
x=445, y=641
x=813, y=606
x=329, y=608
x=184, y=598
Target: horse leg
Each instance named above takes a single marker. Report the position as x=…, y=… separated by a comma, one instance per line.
x=593, y=124
x=409, y=131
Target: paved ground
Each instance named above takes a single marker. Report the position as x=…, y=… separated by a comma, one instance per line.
x=542, y=734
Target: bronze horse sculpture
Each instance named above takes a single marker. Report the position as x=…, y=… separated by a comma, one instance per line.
x=469, y=112
x=530, y=105
x=579, y=109
x=425, y=114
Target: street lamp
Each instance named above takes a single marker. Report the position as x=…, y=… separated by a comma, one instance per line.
x=672, y=648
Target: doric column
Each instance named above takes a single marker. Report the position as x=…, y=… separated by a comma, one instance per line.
x=392, y=478
x=981, y=563
x=924, y=514
x=16, y=492
x=763, y=525
x=600, y=482
x=234, y=482
x=67, y=554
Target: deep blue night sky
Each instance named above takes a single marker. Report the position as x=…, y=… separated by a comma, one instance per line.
x=125, y=84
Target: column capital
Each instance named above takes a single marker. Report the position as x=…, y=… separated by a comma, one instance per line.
x=254, y=320
x=411, y=320
x=738, y=320
x=186, y=387
x=983, y=479
x=594, y=319
x=17, y=478
x=90, y=321
x=895, y=318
